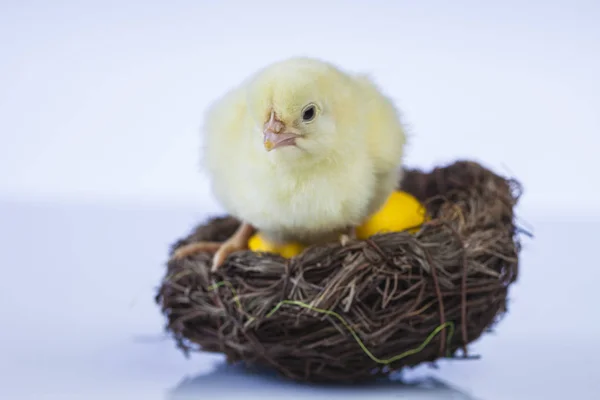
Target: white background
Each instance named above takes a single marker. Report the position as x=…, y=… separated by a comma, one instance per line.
x=100, y=108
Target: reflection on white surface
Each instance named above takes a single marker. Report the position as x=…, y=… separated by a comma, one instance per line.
x=240, y=382
x=76, y=298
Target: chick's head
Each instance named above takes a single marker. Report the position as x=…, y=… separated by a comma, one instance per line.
x=299, y=106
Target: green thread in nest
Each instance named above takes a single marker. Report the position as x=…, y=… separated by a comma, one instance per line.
x=436, y=331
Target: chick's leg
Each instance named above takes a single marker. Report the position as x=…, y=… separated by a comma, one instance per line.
x=238, y=241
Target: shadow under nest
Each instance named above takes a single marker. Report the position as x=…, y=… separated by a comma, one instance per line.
x=357, y=312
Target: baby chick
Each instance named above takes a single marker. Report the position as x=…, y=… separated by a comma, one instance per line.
x=302, y=152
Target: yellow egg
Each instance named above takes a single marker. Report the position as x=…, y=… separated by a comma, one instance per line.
x=288, y=250
x=400, y=212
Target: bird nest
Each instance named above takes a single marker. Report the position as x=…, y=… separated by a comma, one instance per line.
x=361, y=310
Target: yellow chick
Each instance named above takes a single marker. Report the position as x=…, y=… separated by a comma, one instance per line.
x=301, y=152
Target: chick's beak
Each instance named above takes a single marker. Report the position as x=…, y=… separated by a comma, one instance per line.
x=275, y=134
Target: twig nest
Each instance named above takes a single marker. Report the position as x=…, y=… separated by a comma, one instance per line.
x=363, y=310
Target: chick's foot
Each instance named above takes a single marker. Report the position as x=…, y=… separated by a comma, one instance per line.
x=237, y=242
x=191, y=249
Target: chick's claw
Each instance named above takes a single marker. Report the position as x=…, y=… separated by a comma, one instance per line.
x=191, y=249
x=220, y=250
x=227, y=248
x=237, y=242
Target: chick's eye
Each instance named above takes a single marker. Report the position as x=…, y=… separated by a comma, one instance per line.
x=309, y=113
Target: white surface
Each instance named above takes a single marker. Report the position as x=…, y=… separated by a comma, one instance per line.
x=100, y=104
x=76, y=300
